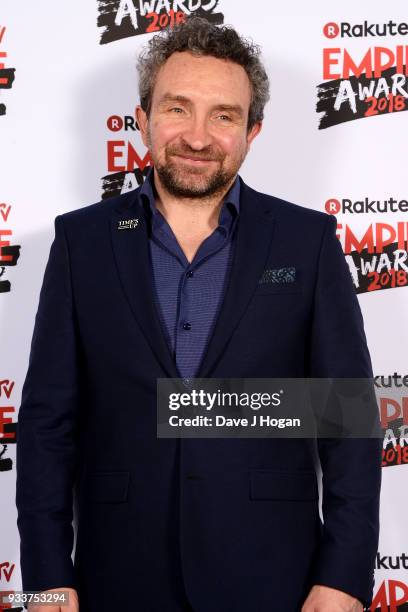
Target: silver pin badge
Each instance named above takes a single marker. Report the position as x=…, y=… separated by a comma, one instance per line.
x=128, y=224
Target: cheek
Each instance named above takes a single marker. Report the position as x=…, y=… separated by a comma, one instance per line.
x=164, y=134
x=232, y=145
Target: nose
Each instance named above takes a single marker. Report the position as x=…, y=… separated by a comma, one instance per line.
x=197, y=135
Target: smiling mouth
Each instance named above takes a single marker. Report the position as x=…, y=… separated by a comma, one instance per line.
x=197, y=161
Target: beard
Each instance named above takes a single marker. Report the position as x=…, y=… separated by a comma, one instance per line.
x=191, y=182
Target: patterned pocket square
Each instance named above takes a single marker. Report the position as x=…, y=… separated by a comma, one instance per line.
x=278, y=275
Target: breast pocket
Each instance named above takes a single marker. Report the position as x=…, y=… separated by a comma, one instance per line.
x=283, y=485
x=107, y=487
x=278, y=288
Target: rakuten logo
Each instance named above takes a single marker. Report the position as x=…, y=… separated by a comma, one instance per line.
x=333, y=206
x=365, y=29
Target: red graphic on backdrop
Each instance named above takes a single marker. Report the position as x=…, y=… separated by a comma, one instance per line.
x=362, y=84
x=394, y=422
x=125, y=18
x=332, y=206
x=7, y=75
x=392, y=399
x=8, y=426
x=377, y=255
x=9, y=253
x=365, y=205
x=122, y=156
x=391, y=596
x=6, y=387
x=4, y=420
x=4, y=211
x=365, y=29
x=126, y=163
x=6, y=570
x=331, y=30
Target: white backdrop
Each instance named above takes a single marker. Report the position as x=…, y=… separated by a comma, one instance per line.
x=56, y=146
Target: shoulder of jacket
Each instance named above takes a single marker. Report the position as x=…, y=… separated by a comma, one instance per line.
x=101, y=209
x=297, y=213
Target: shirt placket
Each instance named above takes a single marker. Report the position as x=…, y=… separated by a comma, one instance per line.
x=186, y=335
x=185, y=325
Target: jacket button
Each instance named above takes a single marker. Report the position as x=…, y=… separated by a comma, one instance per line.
x=187, y=326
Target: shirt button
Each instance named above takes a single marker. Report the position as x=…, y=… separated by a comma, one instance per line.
x=187, y=326
x=189, y=274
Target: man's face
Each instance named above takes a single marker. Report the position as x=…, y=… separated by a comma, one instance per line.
x=197, y=129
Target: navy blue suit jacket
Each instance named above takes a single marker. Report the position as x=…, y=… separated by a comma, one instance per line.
x=233, y=522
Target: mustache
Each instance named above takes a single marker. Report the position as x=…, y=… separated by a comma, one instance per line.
x=208, y=154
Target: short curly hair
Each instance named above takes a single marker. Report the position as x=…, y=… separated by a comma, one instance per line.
x=200, y=37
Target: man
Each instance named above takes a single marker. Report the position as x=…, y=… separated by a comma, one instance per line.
x=164, y=282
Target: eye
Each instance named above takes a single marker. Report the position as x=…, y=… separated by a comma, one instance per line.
x=176, y=109
x=224, y=117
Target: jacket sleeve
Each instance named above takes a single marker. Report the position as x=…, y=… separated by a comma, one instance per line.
x=351, y=467
x=46, y=432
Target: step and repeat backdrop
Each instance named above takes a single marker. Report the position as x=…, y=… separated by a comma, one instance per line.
x=334, y=139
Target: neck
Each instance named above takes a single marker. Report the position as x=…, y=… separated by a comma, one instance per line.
x=198, y=215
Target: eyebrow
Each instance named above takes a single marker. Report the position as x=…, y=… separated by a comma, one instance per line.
x=232, y=108
x=168, y=97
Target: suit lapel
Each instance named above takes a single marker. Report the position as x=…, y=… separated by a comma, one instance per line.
x=131, y=251
x=253, y=240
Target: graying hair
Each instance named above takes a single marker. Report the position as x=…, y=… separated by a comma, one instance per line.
x=200, y=37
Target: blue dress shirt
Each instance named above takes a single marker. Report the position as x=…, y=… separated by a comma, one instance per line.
x=188, y=295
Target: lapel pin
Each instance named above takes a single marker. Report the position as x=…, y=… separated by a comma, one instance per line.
x=128, y=224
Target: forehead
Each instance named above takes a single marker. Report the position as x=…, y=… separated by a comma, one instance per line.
x=203, y=78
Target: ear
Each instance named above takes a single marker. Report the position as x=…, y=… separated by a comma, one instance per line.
x=142, y=123
x=253, y=132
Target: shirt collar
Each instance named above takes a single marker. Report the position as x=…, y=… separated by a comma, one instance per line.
x=147, y=192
